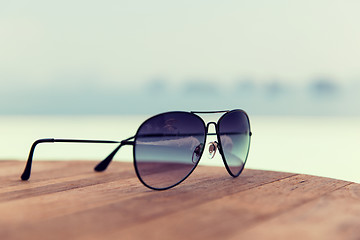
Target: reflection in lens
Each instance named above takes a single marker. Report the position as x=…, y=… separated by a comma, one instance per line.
x=234, y=131
x=168, y=147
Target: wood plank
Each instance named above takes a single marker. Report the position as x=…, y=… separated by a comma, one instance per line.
x=333, y=216
x=70, y=200
x=236, y=212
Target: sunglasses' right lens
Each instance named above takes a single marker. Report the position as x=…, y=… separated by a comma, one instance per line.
x=168, y=147
x=234, y=131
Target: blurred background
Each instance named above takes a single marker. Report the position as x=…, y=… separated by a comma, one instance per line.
x=67, y=66
x=116, y=57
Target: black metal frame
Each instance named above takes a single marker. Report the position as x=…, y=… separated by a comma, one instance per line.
x=105, y=163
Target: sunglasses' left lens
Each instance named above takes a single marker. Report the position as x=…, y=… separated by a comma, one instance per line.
x=167, y=148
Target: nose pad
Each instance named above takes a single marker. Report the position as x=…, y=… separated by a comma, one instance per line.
x=212, y=149
x=196, y=153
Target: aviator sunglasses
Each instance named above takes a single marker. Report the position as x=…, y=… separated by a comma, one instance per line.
x=167, y=147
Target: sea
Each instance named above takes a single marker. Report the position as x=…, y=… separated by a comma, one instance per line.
x=322, y=145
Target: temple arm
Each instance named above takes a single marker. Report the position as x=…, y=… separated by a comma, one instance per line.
x=105, y=163
x=27, y=170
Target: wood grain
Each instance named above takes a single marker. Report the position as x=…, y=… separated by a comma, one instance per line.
x=68, y=200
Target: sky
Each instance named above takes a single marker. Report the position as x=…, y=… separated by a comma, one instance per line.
x=98, y=49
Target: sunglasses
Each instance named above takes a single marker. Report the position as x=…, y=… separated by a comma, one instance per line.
x=167, y=147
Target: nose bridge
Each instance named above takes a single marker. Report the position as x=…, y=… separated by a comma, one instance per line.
x=213, y=146
x=211, y=123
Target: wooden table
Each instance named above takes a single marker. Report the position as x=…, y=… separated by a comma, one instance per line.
x=68, y=200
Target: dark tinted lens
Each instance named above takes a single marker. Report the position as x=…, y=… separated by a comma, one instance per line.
x=234, y=131
x=168, y=147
